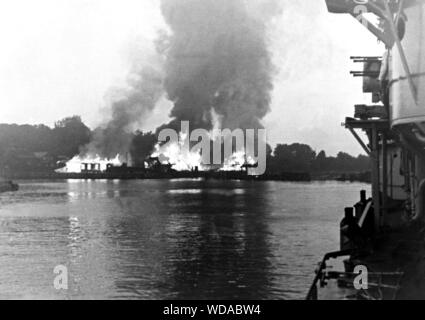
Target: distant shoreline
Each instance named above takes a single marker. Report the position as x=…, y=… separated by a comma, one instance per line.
x=232, y=175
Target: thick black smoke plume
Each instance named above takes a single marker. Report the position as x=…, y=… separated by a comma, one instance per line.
x=218, y=72
x=218, y=62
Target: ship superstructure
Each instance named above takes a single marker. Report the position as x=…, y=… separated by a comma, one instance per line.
x=382, y=236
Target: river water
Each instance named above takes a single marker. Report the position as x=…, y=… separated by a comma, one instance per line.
x=168, y=239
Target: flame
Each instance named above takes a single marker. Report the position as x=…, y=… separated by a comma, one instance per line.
x=180, y=160
x=75, y=164
x=237, y=161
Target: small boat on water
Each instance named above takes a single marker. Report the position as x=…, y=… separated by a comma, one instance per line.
x=6, y=186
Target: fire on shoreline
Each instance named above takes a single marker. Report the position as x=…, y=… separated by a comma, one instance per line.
x=187, y=161
x=174, y=154
x=76, y=164
x=180, y=161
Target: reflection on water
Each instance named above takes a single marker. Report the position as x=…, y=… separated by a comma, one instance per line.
x=177, y=239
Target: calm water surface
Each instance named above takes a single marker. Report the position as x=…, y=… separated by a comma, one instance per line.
x=182, y=239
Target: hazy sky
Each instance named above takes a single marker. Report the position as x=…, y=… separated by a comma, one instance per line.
x=61, y=57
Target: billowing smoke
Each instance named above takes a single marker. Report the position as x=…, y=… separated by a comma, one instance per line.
x=218, y=62
x=128, y=109
x=214, y=65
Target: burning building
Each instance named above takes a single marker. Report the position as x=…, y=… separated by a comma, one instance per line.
x=213, y=64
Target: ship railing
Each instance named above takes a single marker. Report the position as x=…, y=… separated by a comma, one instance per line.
x=346, y=278
x=322, y=275
x=313, y=292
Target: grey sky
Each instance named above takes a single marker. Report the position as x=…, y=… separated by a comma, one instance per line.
x=62, y=57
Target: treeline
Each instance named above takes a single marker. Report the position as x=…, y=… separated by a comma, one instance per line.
x=29, y=147
x=39, y=147
x=64, y=139
x=302, y=158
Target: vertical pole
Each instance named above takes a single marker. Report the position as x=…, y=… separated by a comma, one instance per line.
x=375, y=177
x=420, y=205
x=384, y=177
x=390, y=18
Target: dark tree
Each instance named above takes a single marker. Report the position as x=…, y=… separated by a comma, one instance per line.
x=293, y=158
x=70, y=135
